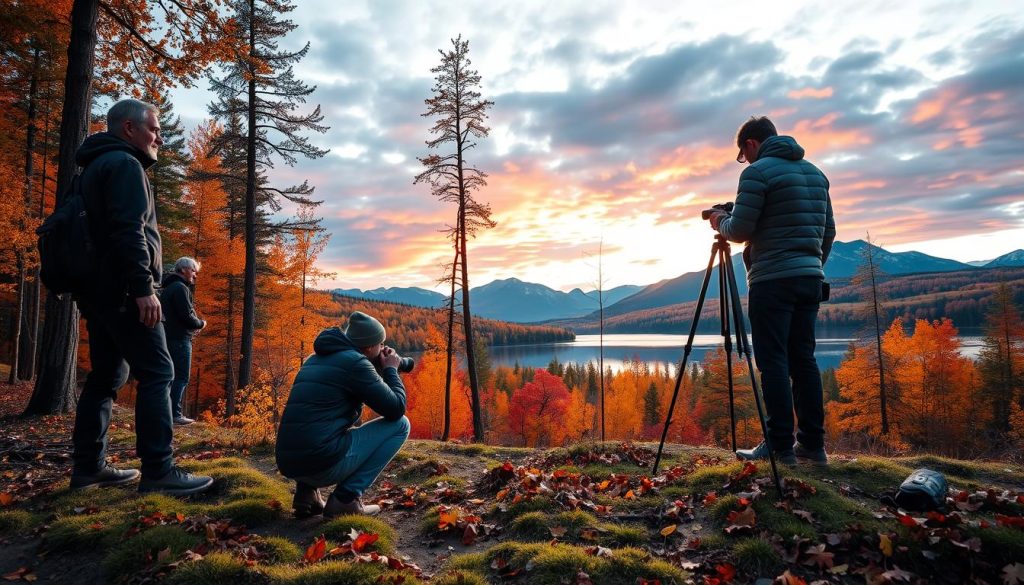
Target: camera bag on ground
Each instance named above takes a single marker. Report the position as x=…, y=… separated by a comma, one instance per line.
x=922, y=491
x=67, y=253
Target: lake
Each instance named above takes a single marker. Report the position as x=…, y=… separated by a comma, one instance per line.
x=663, y=349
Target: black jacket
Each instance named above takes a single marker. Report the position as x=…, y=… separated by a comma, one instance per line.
x=180, y=319
x=122, y=216
x=326, y=399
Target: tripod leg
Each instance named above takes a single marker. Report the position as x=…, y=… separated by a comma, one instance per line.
x=686, y=354
x=723, y=309
x=744, y=348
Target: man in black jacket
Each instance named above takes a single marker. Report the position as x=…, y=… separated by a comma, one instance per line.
x=180, y=324
x=318, y=442
x=122, y=311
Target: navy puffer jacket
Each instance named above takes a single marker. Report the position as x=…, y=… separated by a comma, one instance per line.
x=327, y=398
x=784, y=212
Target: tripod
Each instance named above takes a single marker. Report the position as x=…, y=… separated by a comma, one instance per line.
x=729, y=307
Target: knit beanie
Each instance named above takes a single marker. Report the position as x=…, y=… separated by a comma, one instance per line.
x=364, y=330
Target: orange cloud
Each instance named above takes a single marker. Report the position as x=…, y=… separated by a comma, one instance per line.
x=819, y=136
x=810, y=92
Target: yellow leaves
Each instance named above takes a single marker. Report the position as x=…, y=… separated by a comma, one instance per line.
x=448, y=518
x=666, y=531
x=885, y=544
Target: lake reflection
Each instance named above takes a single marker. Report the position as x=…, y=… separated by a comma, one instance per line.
x=661, y=349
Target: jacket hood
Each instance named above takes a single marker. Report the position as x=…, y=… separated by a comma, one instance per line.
x=104, y=142
x=332, y=340
x=781, y=147
x=172, y=277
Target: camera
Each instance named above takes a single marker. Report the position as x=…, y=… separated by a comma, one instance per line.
x=726, y=207
x=405, y=364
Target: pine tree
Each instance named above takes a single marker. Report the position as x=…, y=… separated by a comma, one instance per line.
x=259, y=86
x=1001, y=361
x=167, y=175
x=461, y=114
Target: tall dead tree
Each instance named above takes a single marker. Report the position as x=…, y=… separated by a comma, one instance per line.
x=460, y=114
x=867, y=280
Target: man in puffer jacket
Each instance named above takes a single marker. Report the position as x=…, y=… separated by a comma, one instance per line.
x=318, y=443
x=784, y=214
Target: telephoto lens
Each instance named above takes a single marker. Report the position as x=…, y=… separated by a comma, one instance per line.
x=406, y=364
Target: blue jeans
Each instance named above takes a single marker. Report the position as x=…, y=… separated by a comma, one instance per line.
x=371, y=447
x=181, y=356
x=782, y=316
x=117, y=342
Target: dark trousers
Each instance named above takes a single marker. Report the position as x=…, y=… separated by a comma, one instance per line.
x=119, y=343
x=181, y=356
x=782, y=316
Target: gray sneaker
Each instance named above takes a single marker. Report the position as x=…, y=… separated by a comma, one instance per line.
x=812, y=456
x=336, y=507
x=177, y=482
x=105, y=477
x=785, y=456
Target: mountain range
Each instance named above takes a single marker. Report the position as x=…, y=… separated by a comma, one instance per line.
x=516, y=301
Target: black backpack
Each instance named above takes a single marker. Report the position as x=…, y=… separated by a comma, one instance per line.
x=67, y=251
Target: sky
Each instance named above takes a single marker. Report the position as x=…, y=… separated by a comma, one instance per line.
x=614, y=124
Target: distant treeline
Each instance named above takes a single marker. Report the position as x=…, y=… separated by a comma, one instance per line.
x=962, y=296
x=407, y=325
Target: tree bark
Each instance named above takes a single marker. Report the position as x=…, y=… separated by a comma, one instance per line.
x=450, y=349
x=249, y=286
x=467, y=325
x=55, y=387
x=23, y=367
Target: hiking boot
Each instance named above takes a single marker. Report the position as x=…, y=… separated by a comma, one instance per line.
x=183, y=420
x=785, y=456
x=812, y=456
x=105, y=477
x=307, y=501
x=336, y=507
x=177, y=482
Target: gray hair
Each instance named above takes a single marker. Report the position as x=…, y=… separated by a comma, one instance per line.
x=128, y=109
x=186, y=262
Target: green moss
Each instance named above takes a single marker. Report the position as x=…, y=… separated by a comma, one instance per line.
x=144, y=549
x=459, y=578
x=550, y=564
x=331, y=573
x=14, y=521
x=94, y=530
x=214, y=569
x=1001, y=543
x=713, y=542
x=281, y=550
x=781, y=522
x=537, y=526
x=713, y=478
x=251, y=512
x=456, y=483
x=719, y=511
x=756, y=556
x=527, y=505
x=870, y=474
x=338, y=529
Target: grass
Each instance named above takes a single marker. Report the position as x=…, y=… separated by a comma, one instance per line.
x=340, y=528
x=579, y=526
x=157, y=546
x=14, y=521
x=756, y=556
x=549, y=564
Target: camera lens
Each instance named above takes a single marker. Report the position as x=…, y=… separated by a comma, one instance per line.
x=406, y=364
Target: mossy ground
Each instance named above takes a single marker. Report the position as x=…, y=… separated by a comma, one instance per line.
x=115, y=535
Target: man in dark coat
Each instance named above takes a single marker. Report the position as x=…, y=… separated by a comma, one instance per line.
x=180, y=324
x=122, y=311
x=318, y=442
x=784, y=214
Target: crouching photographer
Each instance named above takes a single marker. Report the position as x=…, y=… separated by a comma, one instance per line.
x=320, y=442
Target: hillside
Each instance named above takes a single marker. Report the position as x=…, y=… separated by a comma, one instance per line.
x=475, y=514
x=408, y=326
x=960, y=295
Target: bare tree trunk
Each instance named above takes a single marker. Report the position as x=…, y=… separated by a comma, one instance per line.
x=878, y=338
x=229, y=369
x=23, y=362
x=450, y=349
x=55, y=386
x=19, y=312
x=249, y=292
x=467, y=325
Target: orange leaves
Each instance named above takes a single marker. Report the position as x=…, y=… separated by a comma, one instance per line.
x=454, y=519
x=668, y=530
x=19, y=574
x=6, y=499
x=316, y=551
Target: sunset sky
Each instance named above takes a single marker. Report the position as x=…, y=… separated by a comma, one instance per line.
x=615, y=122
